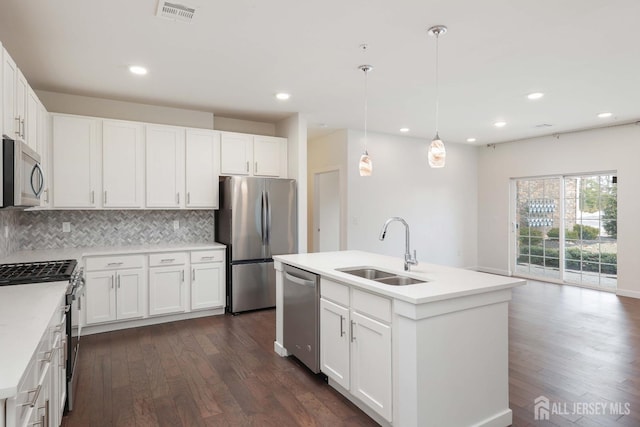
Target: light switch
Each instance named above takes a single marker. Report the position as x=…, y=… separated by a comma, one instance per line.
x=176, y=224
x=66, y=227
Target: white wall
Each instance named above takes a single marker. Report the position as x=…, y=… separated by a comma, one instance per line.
x=608, y=149
x=245, y=126
x=328, y=153
x=294, y=128
x=440, y=205
x=99, y=107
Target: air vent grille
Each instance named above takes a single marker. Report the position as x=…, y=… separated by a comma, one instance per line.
x=175, y=11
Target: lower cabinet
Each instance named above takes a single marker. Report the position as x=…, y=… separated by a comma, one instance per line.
x=355, y=344
x=167, y=287
x=207, y=279
x=115, y=288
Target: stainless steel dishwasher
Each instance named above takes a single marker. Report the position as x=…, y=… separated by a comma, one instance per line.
x=301, y=316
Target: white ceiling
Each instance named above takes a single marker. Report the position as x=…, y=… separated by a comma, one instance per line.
x=235, y=55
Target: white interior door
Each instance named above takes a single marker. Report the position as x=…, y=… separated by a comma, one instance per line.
x=327, y=211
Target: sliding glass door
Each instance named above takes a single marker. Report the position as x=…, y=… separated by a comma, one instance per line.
x=567, y=229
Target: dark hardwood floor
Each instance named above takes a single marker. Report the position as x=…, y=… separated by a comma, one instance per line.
x=568, y=344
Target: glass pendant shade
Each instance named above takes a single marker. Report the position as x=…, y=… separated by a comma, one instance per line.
x=437, y=153
x=366, y=165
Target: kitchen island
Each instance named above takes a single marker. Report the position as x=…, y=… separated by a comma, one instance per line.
x=427, y=354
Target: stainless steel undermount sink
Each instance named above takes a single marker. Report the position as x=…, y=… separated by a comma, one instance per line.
x=381, y=276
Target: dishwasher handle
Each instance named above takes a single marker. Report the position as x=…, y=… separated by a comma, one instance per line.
x=299, y=280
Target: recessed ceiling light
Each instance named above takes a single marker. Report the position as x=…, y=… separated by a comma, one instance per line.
x=283, y=96
x=535, y=95
x=604, y=115
x=404, y=130
x=500, y=124
x=471, y=140
x=137, y=69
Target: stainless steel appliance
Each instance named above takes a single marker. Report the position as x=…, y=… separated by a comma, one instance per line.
x=22, y=176
x=256, y=220
x=54, y=271
x=301, y=316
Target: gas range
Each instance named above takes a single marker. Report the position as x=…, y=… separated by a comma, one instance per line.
x=37, y=272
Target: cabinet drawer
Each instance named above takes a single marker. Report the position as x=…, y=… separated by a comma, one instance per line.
x=167, y=258
x=207, y=256
x=334, y=291
x=114, y=262
x=372, y=305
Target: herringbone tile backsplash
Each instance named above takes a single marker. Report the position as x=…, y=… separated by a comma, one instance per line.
x=10, y=244
x=43, y=229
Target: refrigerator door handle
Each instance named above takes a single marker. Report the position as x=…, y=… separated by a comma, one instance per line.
x=268, y=219
x=263, y=213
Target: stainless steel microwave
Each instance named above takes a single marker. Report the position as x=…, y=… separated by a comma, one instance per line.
x=22, y=176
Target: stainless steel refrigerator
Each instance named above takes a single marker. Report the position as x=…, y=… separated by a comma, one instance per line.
x=256, y=220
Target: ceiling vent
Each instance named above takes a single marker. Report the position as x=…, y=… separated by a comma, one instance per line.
x=175, y=11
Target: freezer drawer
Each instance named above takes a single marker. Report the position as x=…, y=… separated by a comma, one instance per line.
x=301, y=298
x=252, y=286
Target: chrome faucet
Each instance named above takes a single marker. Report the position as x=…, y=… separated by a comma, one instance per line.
x=408, y=259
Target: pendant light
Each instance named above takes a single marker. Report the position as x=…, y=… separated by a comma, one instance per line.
x=437, y=152
x=365, y=165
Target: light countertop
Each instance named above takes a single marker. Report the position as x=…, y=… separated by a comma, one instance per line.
x=442, y=282
x=78, y=253
x=25, y=312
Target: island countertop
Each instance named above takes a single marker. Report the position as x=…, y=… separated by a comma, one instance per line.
x=442, y=282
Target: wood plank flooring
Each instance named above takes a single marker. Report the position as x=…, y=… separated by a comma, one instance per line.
x=566, y=343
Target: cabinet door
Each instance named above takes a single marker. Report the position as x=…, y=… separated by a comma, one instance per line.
x=207, y=286
x=236, y=153
x=165, y=166
x=44, y=150
x=166, y=290
x=202, y=168
x=10, y=121
x=334, y=342
x=122, y=164
x=31, y=125
x=129, y=294
x=371, y=363
x=22, y=89
x=100, y=298
x=267, y=152
x=76, y=165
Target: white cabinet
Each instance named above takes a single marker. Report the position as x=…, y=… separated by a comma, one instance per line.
x=122, y=164
x=43, y=148
x=355, y=343
x=115, y=288
x=207, y=279
x=164, y=166
x=252, y=155
x=268, y=156
x=76, y=162
x=202, y=168
x=334, y=342
x=167, y=287
x=10, y=121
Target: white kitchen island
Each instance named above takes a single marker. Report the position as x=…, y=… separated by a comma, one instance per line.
x=429, y=354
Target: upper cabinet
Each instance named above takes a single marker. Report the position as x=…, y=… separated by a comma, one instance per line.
x=165, y=166
x=19, y=104
x=76, y=162
x=252, y=155
x=122, y=164
x=202, y=168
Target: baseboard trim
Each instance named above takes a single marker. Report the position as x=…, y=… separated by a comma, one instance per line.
x=279, y=349
x=627, y=293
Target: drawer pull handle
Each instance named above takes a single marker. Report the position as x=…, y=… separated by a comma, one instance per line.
x=341, y=325
x=193, y=275
x=35, y=396
x=207, y=258
x=182, y=276
x=167, y=260
x=353, y=336
x=112, y=264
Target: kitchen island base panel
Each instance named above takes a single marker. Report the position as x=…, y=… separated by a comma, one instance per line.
x=452, y=369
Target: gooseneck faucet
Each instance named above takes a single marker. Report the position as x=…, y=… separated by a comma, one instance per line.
x=408, y=259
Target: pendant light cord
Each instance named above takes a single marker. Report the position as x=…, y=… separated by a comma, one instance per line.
x=366, y=103
x=437, y=85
